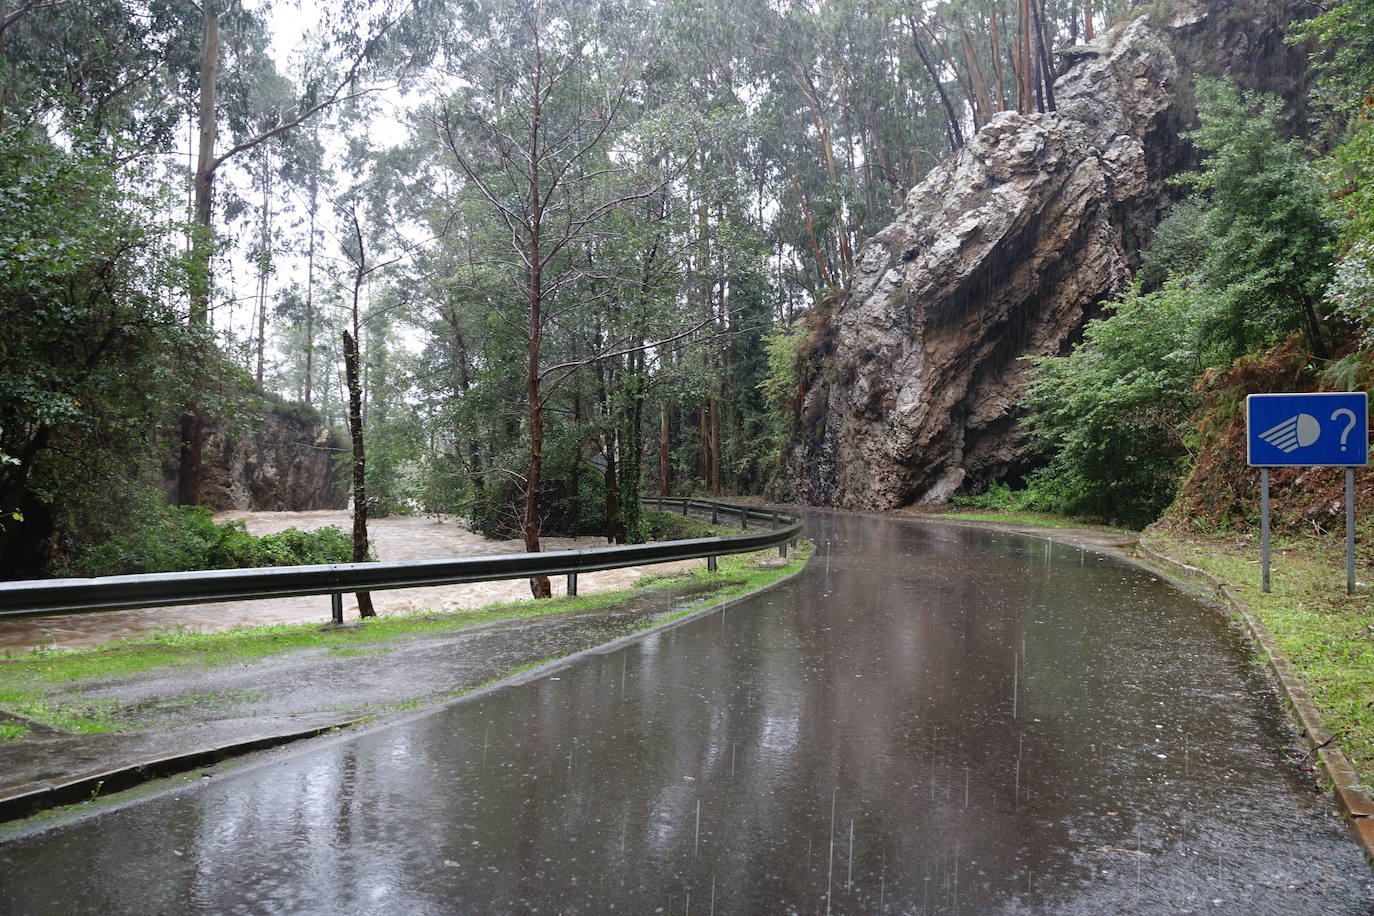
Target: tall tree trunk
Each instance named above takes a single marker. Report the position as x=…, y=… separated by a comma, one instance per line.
x=310, y=302
x=952, y=120
x=997, y=61
x=665, y=467
x=632, y=451
x=355, y=430
x=539, y=585
x=264, y=260
x=1027, y=67
x=1088, y=22
x=980, y=84
x=822, y=270
x=615, y=525
x=1046, y=68
x=715, y=446
x=202, y=244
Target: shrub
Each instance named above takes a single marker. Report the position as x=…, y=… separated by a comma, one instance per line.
x=187, y=538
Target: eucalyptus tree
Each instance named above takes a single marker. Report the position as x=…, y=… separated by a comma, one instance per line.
x=533, y=136
x=363, y=36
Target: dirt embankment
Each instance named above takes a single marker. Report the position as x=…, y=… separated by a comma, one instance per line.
x=1222, y=492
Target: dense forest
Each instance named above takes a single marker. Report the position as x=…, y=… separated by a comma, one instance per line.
x=535, y=259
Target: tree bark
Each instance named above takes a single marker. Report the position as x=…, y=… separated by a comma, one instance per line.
x=355, y=431
x=1046, y=69
x=952, y=120
x=539, y=585
x=202, y=244
x=665, y=469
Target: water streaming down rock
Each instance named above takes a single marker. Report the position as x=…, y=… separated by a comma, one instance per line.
x=1005, y=249
x=1001, y=251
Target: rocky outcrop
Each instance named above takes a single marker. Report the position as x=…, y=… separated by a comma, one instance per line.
x=1002, y=251
x=278, y=460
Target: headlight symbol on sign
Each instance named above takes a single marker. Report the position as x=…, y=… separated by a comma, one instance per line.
x=1293, y=433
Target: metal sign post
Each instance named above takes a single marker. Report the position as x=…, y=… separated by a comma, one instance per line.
x=1327, y=429
x=1264, y=529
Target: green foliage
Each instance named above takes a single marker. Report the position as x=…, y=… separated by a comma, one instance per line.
x=1178, y=247
x=666, y=525
x=1270, y=241
x=90, y=345
x=1349, y=173
x=186, y=538
x=780, y=386
x=1113, y=415
x=1344, y=57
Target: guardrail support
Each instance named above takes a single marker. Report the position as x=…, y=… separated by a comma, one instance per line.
x=685, y=504
x=775, y=519
x=572, y=585
x=715, y=514
x=41, y=598
x=782, y=549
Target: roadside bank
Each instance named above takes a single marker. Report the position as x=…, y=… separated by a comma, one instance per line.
x=91, y=721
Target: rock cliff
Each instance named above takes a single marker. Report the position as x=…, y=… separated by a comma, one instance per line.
x=275, y=461
x=1003, y=251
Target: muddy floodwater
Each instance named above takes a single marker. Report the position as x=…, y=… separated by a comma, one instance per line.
x=927, y=720
x=393, y=539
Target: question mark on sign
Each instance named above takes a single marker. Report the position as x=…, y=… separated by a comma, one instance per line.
x=1345, y=434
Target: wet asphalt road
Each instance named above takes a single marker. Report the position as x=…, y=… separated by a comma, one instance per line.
x=928, y=719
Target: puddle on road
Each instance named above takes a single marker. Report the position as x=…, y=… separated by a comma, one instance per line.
x=925, y=720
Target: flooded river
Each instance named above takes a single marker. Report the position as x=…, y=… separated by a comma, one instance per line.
x=927, y=720
x=400, y=538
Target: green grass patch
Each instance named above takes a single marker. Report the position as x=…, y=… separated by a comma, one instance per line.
x=28, y=681
x=1013, y=517
x=12, y=731
x=665, y=525
x=1326, y=635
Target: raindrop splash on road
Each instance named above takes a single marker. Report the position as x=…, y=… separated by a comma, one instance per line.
x=925, y=614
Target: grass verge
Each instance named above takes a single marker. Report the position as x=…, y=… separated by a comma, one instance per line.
x=28, y=680
x=1326, y=635
x=1016, y=517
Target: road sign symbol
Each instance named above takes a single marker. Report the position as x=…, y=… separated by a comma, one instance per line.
x=1293, y=433
x=1308, y=430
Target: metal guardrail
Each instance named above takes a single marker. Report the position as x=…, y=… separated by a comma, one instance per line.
x=43, y=597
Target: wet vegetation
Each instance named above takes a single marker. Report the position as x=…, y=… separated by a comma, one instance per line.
x=1327, y=636
x=186, y=537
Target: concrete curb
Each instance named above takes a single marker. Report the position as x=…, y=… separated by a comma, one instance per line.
x=25, y=801
x=1356, y=808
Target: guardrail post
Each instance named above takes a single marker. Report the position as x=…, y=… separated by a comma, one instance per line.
x=775, y=520
x=711, y=564
x=715, y=513
x=744, y=518
x=572, y=585
x=685, y=504
x=782, y=549
x=336, y=607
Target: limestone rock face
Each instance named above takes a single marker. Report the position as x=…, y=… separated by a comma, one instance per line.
x=276, y=462
x=1002, y=251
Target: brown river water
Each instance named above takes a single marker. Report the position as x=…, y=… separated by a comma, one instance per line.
x=393, y=539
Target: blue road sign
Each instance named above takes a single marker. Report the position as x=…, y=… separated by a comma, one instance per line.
x=1307, y=430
